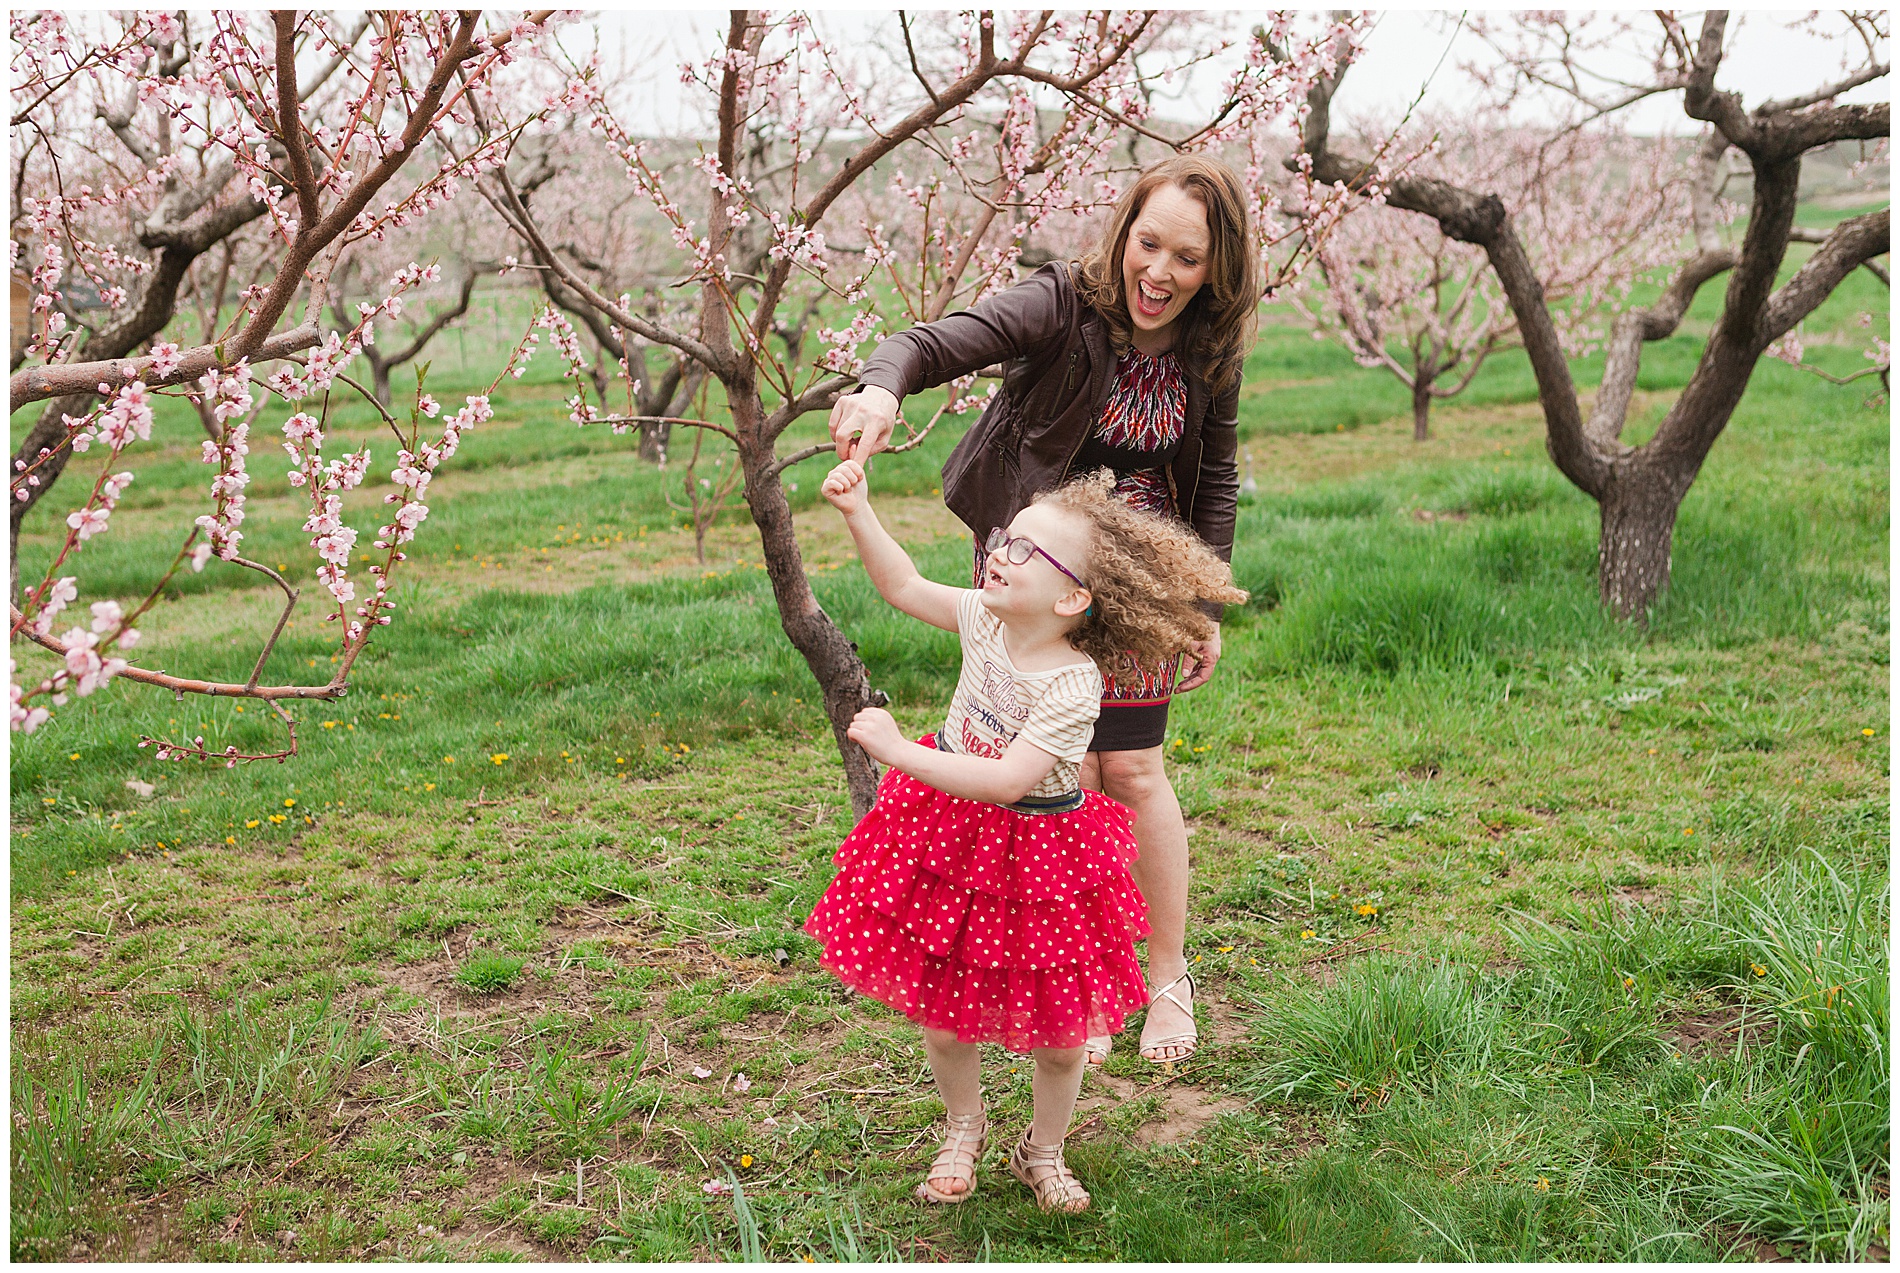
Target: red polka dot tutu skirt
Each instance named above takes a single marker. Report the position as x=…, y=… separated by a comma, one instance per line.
x=1004, y=927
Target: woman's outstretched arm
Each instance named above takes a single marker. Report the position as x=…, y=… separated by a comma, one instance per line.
x=1018, y=322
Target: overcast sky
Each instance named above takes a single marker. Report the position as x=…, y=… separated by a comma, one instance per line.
x=1766, y=60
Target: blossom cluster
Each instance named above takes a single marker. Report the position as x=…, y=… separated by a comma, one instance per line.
x=230, y=395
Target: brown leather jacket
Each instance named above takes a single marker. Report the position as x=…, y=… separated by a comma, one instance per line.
x=1059, y=371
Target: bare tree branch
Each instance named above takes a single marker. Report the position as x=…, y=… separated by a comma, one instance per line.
x=290, y=117
x=1853, y=243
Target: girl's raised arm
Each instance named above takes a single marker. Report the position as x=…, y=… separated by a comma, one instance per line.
x=889, y=566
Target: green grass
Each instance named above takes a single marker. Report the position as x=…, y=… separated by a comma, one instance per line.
x=530, y=904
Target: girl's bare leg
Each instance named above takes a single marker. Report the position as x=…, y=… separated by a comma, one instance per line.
x=1057, y=1082
x=1137, y=779
x=955, y=1068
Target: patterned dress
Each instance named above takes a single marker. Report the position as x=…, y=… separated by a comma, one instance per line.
x=1138, y=437
x=1006, y=924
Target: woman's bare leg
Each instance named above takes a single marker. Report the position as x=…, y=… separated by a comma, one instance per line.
x=1136, y=778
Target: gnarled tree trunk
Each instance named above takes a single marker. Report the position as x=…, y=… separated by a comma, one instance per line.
x=1633, y=543
x=1421, y=408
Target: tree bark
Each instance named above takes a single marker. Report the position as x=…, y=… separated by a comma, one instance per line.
x=1421, y=407
x=46, y=432
x=1637, y=530
x=831, y=656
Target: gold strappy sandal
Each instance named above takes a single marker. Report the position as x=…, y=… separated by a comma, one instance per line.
x=1048, y=1177
x=1189, y=1038
x=969, y=1137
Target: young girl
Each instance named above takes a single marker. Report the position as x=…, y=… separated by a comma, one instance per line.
x=986, y=896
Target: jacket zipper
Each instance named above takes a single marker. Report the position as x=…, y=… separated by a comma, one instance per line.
x=1087, y=428
x=1068, y=376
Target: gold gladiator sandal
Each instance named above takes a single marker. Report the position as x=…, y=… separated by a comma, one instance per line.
x=969, y=1137
x=1048, y=1177
x=1185, y=1040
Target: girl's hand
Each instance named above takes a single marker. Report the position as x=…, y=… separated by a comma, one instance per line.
x=845, y=487
x=870, y=412
x=875, y=730
x=1205, y=655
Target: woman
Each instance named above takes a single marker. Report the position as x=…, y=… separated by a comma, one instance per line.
x=1130, y=359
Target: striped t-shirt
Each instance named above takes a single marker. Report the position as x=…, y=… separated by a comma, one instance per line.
x=995, y=703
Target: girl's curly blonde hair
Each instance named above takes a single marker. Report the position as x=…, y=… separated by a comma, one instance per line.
x=1148, y=575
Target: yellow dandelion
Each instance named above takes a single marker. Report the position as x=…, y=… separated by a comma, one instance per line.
x=1688, y=830
x=230, y=839
x=74, y=756
x=428, y=786
x=1866, y=733
x=448, y=760
x=1542, y=1185
x=289, y=803
x=251, y=825
x=500, y=757
x=1225, y=949
x=745, y=1160
x=1758, y=970
x=1307, y=934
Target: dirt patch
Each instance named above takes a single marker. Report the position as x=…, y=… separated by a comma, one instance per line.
x=506, y=1240
x=435, y=984
x=1715, y=1033
x=1646, y=896
x=1184, y=1110
x=1184, y=1113
x=1750, y=1246
x=612, y=924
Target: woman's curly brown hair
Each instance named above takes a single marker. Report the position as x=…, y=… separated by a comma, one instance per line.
x=1148, y=575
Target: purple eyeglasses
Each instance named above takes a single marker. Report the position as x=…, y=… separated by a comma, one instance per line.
x=1020, y=550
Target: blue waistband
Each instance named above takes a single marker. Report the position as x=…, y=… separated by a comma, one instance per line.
x=1067, y=802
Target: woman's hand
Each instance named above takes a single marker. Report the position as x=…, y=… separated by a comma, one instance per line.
x=868, y=415
x=875, y=730
x=846, y=488
x=1205, y=655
